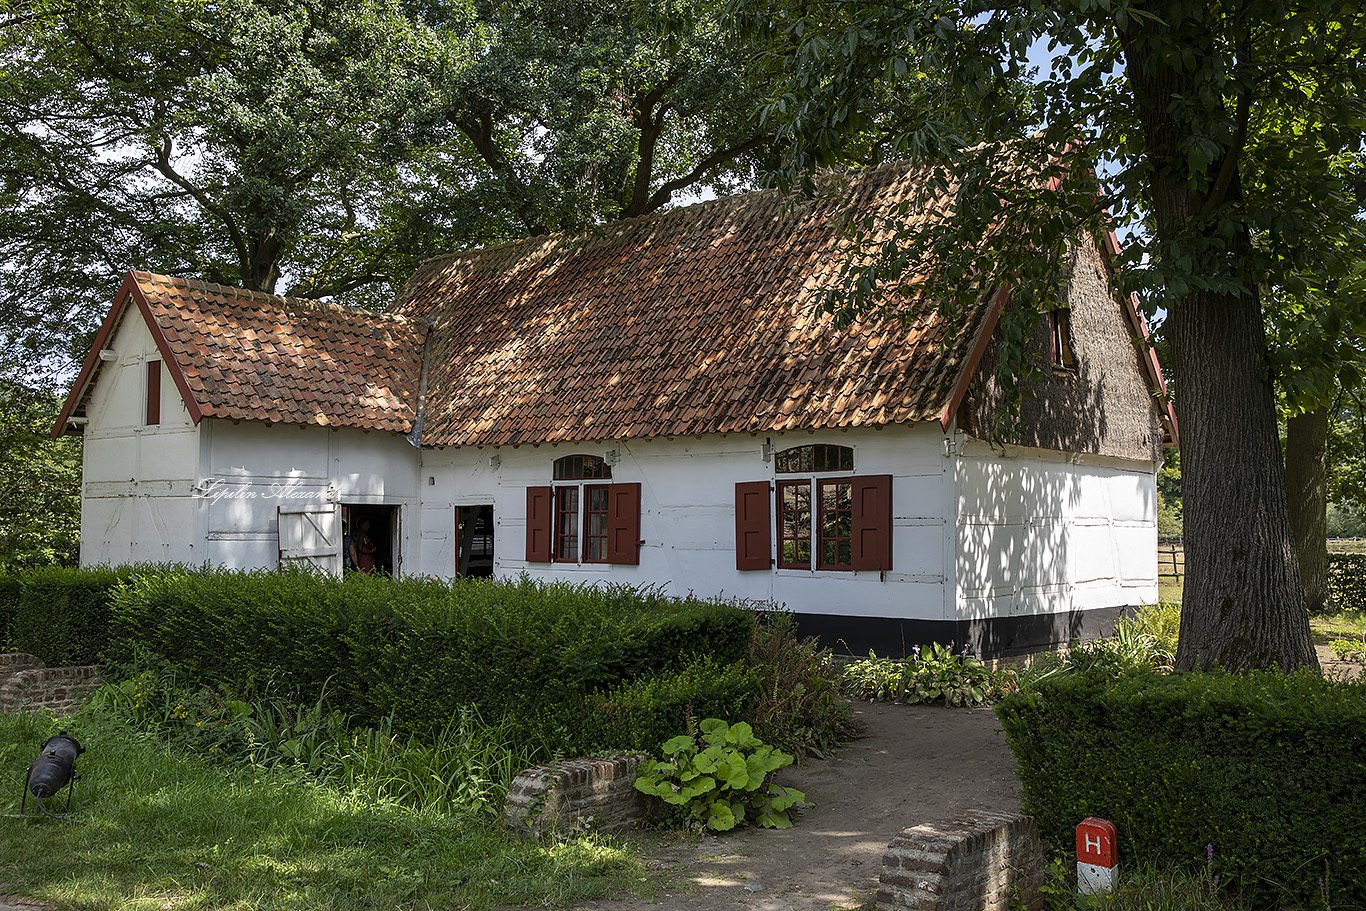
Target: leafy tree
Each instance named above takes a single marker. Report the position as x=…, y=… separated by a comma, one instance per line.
x=322, y=149
x=40, y=515
x=1178, y=95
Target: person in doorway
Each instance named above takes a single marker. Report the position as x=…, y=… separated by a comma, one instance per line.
x=363, y=547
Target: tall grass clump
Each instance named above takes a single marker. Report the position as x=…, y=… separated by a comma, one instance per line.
x=466, y=767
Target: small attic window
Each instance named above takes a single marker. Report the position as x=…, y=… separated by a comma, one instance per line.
x=820, y=457
x=581, y=467
x=153, y=393
x=1060, y=326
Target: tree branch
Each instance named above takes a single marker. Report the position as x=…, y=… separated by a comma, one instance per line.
x=163, y=166
x=665, y=192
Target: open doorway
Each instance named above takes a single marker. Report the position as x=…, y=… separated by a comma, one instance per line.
x=474, y=537
x=370, y=538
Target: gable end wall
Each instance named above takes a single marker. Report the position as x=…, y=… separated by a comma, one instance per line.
x=1104, y=406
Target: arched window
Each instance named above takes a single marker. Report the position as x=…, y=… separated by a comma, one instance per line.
x=581, y=468
x=815, y=457
x=582, y=517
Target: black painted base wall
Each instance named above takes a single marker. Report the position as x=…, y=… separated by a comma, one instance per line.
x=998, y=637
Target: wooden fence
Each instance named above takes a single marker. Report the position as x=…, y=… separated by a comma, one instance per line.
x=1171, y=554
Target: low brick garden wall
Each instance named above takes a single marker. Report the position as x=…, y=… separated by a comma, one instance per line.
x=576, y=795
x=973, y=861
x=27, y=685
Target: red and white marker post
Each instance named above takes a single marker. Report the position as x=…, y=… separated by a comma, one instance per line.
x=1097, y=860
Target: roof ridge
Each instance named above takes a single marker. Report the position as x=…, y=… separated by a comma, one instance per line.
x=284, y=300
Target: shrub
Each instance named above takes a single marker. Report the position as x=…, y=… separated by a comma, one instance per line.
x=61, y=615
x=528, y=653
x=643, y=713
x=795, y=707
x=1347, y=581
x=934, y=674
x=722, y=781
x=1270, y=770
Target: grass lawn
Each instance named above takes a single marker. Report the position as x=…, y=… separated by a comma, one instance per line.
x=153, y=829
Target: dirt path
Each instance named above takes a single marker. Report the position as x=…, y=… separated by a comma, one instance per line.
x=916, y=764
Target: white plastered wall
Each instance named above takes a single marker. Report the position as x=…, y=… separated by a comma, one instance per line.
x=179, y=493
x=688, y=517
x=247, y=471
x=137, y=481
x=1043, y=532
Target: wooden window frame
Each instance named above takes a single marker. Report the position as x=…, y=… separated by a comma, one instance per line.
x=551, y=522
x=152, y=412
x=1062, y=353
x=821, y=537
x=782, y=513
x=870, y=524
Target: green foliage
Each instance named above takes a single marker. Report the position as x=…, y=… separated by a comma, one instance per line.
x=1169, y=502
x=60, y=614
x=414, y=650
x=40, y=483
x=336, y=146
x=640, y=714
x=1347, y=581
x=795, y=706
x=1171, y=759
x=218, y=835
x=721, y=780
x=1349, y=649
x=935, y=674
x=465, y=767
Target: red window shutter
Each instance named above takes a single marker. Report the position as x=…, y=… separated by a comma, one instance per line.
x=753, y=526
x=623, y=524
x=540, y=523
x=873, y=522
x=153, y=392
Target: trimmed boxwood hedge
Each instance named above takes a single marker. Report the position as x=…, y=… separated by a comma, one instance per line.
x=571, y=668
x=1270, y=770
x=58, y=614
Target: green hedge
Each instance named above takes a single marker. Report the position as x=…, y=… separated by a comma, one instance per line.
x=541, y=655
x=1270, y=770
x=59, y=614
x=1347, y=580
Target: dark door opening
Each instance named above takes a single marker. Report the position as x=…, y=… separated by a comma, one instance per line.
x=370, y=539
x=474, y=540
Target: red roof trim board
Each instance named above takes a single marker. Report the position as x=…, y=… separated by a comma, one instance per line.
x=979, y=348
x=1148, y=354
x=91, y=368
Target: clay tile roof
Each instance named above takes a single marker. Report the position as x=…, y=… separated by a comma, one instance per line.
x=698, y=320
x=252, y=356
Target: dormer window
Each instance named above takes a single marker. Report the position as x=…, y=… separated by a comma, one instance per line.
x=153, y=412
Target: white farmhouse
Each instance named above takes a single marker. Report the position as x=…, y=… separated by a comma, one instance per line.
x=654, y=403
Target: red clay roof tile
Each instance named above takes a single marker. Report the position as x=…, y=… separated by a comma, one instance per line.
x=699, y=320
x=251, y=356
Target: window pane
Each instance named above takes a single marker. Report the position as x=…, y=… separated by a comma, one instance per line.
x=595, y=523
x=822, y=457
x=836, y=524
x=566, y=523
x=580, y=467
x=794, y=524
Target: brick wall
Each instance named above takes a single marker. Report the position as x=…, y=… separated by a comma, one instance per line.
x=978, y=860
x=26, y=685
x=576, y=795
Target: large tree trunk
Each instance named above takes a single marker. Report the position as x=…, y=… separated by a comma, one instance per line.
x=1306, y=489
x=1242, y=606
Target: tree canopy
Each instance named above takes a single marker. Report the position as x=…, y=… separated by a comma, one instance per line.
x=322, y=149
x=1193, y=106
